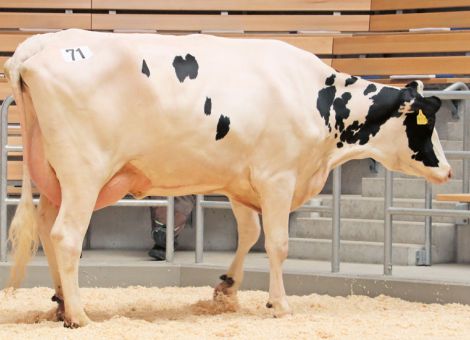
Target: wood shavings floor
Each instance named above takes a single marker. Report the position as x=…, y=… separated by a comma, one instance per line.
x=186, y=313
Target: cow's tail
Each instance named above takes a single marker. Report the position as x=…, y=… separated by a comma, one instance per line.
x=23, y=232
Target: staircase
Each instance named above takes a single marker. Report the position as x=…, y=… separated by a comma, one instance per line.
x=362, y=219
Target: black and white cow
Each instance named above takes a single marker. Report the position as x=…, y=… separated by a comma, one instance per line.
x=260, y=121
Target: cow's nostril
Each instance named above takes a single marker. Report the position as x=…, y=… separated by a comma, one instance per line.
x=449, y=176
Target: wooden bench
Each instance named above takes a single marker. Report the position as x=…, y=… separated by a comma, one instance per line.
x=464, y=198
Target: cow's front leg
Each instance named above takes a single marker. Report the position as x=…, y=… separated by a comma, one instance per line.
x=47, y=213
x=276, y=200
x=67, y=234
x=248, y=233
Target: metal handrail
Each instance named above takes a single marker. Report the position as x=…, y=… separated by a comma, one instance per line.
x=451, y=92
x=5, y=201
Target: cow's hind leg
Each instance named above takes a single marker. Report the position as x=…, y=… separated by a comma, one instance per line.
x=248, y=233
x=47, y=214
x=79, y=194
x=276, y=200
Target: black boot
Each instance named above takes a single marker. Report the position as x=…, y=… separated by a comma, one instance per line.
x=158, y=251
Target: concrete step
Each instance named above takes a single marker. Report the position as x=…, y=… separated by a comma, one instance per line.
x=443, y=234
x=452, y=145
x=455, y=130
x=359, y=251
x=407, y=187
x=356, y=206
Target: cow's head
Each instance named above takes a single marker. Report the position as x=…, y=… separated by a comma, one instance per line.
x=410, y=143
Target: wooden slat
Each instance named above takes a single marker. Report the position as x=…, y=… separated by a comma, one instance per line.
x=13, y=115
x=235, y=5
x=16, y=191
x=378, y=5
x=453, y=197
x=9, y=41
x=66, y=4
x=15, y=170
x=2, y=63
x=407, y=65
x=5, y=89
x=264, y=23
x=45, y=20
x=403, y=43
x=397, y=22
x=315, y=44
x=16, y=141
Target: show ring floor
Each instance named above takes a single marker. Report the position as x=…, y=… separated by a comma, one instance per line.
x=187, y=312
x=442, y=283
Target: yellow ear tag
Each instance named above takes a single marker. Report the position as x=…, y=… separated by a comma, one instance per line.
x=421, y=118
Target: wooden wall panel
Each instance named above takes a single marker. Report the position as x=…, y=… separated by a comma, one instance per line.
x=406, y=65
x=266, y=23
x=66, y=4
x=44, y=20
x=235, y=5
x=400, y=22
x=403, y=43
x=378, y=5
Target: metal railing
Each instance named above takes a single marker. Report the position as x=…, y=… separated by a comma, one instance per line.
x=5, y=201
x=456, y=91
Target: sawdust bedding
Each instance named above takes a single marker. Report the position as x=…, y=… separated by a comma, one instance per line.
x=189, y=313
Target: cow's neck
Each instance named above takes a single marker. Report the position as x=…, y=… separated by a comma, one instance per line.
x=358, y=136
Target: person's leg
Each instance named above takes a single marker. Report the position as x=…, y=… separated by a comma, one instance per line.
x=183, y=208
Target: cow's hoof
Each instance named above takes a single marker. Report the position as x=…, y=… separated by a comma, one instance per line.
x=225, y=287
x=76, y=322
x=60, y=311
x=70, y=324
x=280, y=308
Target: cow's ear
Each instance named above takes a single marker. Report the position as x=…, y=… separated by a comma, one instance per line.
x=434, y=103
x=416, y=85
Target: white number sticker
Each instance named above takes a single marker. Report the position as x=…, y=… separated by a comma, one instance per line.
x=76, y=53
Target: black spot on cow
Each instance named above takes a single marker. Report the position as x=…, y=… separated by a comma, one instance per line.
x=325, y=99
x=385, y=106
x=185, y=67
x=342, y=112
x=208, y=106
x=223, y=127
x=369, y=89
x=351, y=80
x=145, y=68
x=330, y=80
x=339, y=145
x=419, y=136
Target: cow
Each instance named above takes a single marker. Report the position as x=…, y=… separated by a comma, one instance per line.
x=260, y=121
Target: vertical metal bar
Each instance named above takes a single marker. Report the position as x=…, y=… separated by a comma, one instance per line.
x=3, y=177
x=388, y=202
x=170, y=229
x=466, y=147
x=428, y=225
x=336, y=221
x=199, y=229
